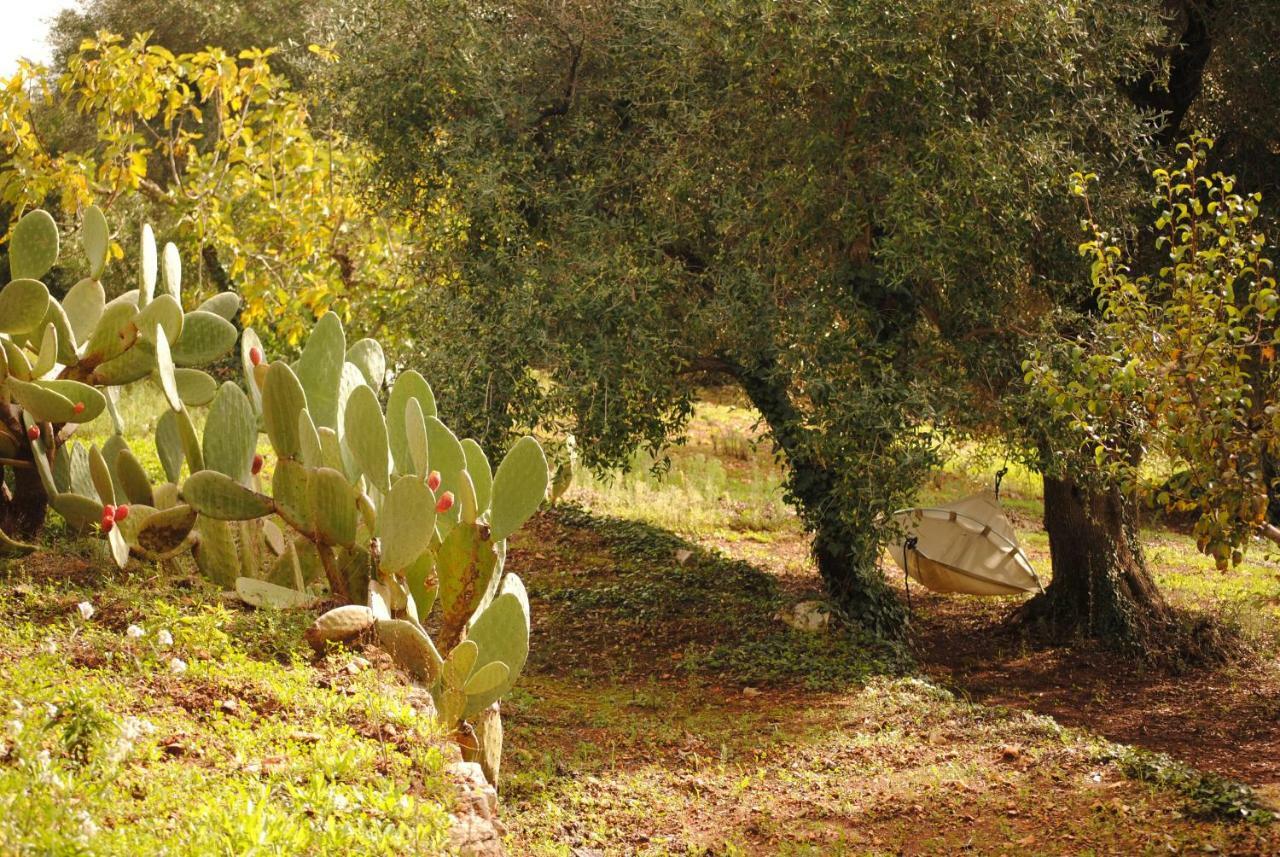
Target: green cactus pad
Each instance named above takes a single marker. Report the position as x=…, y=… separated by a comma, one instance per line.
x=248, y=342
x=406, y=524
x=320, y=369
x=465, y=563
x=223, y=304
x=367, y=356
x=164, y=312
x=129, y=298
x=113, y=396
x=164, y=370
x=33, y=246
x=129, y=527
x=485, y=680
x=146, y=266
x=220, y=497
x=173, y=271
x=365, y=435
x=334, y=455
x=101, y=476
x=111, y=449
x=408, y=385
x=466, y=499
x=216, y=552
x=40, y=456
x=333, y=507
x=79, y=476
x=261, y=594
x=95, y=238
x=56, y=316
x=502, y=633
x=16, y=363
x=448, y=458
x=166, y=495
x=290, y=487
x=488, y=752
x=231, y=434
x=282, y=400
x=410, y=648
x=169, y=445
x=415, y=432
x=119, y=547
x=94, y=401
x=480, y=472
x=420, y=576
x=166, y=531
x=339, y=625
x=47, y=355
x=518, y=487
x=133, y=479
x=83, y=304
x=349, y=380
x=23, y=305
x=133, y=365
x=114, y=333
x=190, y=442
x=80, y=512
x=197, y=388
x=309, y=449
x=457, y=667
x=43, y=404
x=205, y=338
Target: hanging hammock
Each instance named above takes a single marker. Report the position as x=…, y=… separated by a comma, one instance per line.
x=967, y=546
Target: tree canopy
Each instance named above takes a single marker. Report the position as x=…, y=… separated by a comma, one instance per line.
x=853, y=211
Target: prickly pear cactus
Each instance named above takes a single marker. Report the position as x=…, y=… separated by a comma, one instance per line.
x=61, y=364
x=406, y=523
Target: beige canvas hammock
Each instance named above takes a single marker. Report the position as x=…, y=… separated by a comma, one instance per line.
x=967, y=546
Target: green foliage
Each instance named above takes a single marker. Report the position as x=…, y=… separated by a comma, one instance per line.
x=1183, y=362
x=214, y=146
x=1208, y=795
x=847, y=210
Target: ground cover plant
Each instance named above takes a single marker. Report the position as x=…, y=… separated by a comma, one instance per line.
x=142, y=714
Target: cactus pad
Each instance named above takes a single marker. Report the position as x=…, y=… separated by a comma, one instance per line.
x=33, y=245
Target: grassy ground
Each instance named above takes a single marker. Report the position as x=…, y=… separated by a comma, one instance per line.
x=666, y=710
x=227, y=740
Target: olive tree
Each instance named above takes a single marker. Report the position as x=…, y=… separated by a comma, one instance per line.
x=853, y=211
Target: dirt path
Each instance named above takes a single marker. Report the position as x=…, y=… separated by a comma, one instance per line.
x=1224, y=719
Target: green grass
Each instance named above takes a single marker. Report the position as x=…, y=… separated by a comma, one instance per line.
x=110, y=746
x=722, y=480
x=665, y=712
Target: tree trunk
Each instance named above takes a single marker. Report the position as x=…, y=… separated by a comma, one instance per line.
x=846, y=560
x=22, y=509
x=1101, y=588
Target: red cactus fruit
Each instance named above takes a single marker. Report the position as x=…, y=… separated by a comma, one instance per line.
x=107, y=524
x=79, y=408
x=122, y=512
x=445, y=503
x=433, y=480
x=255, y=355
x=33, y=432
x=108, y=511
x=257, y=464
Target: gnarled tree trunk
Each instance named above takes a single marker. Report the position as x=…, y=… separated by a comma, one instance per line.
x=848, y=567
x=1101, y=588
